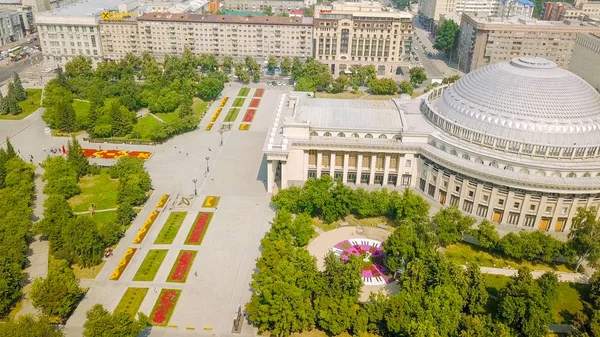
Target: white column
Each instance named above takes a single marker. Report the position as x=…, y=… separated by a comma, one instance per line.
x=540, y=212
x=372, y=175
x=284, y=183
x=386, y=169
x=524, y=209
x=463, y=193
x=319, y=163
x=332, y=164
x=493, y=202
x=305, y=167
x=359, y=168
x=346, y=163
x=270, y=176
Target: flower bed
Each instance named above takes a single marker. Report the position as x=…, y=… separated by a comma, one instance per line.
x=211, y=202
x=199, y=228
x=249, y=116
x=238, y=102
x=372, y=256
x=115, y=154
x=244, y=127
x=254, y=103
x=244, y=92
x=144, y=230
x=164, y=306
x=182, y=265
x=209, y=127
x=224, y=101
x=123, y=264
x=259, y=92
x=163, y=200
x=216, y=115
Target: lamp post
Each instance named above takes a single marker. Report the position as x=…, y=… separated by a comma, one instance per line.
x=221, y=133
x=195, y=190
x=207, y=168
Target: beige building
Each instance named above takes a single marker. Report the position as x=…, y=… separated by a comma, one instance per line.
x=485, y=41
x=347, y=34
x=515, y=142
x=277, y=6
x=585, y=61
x=119, y=38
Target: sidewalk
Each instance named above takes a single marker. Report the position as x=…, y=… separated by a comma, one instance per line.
x=562, y=276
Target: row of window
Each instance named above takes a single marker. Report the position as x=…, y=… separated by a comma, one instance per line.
x=365, y=178
x=354, y=135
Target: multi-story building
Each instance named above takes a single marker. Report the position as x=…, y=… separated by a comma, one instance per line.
x=74, y=30
x=347, y=34
x=277, y=6
x=163, y=34
x=510, y=8
x=431, y=10
x=516, y=143
x=484, y=41
x=585, y=61
x=11, y=29
x=587, y=7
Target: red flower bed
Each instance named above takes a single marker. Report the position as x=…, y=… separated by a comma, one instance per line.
x=115, y=154
x=259, y=93
x=197, y=232
x=254, y=103
x=182, y=266
x=164, y=306
x=249, y=115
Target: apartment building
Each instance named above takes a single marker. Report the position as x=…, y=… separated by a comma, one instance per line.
x=486, y=40
x=277, y=6
x=585, y=61
x=163, y=34
x=347, y=34
x=10, y=27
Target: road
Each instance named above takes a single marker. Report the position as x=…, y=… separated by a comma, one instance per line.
x=8, y=70
x=436, y=65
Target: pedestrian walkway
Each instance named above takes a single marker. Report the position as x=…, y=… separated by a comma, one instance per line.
x=38, y=267
x=562, y=276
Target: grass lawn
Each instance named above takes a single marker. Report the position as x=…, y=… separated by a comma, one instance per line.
x=87, y=273
x=168, y=117
x=145, y=125
x=99, y=190
x=170, y=228
x=341, y=95
x=463, y=253
x=150, y=265
x=82, y=109
x=28, y=106
x=131, y=301
x=232, y=115
x=244, y=92
x=102, y=218
x=199, y=107
x=238, y=102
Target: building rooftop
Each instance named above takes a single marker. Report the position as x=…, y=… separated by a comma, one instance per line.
x=264, y=20
x=89, y=8
x=525, y=21
x=10, y=2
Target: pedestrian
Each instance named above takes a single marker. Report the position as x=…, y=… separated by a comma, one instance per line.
x=209, y=149
x=186, y=154
x=212, y=178
x=196, y=273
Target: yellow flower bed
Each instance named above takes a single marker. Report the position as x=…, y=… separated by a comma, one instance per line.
x=224, y=101
x=123, y=264
x=210, y=201
x=244, y=127
x=209, y=126
x=144, y=230
x=162, y=201
x=216, y=115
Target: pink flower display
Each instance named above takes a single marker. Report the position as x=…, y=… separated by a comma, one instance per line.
x=249, y=115
x=254, y=103
x=164, y=306
x=182, y=266
x=199, y=228
x=259, y=93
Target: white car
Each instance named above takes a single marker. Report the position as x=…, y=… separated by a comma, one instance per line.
x=47, y=130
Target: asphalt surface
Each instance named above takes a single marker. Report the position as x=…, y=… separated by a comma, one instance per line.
x=424, y=40
x=8, y=70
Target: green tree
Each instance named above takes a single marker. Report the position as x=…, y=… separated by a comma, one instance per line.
x=79, y=66
x=406, y=87
x=209, y=88
x=59, y=292
x=482, y=326
x=12, y=101
x=447, y=37
x=241, y=73
x=57, y=213
x=121, y=119
x=486, y=235
x=411, y=206
x=10, y=287
x=286, y=65
x=296, y=68
x=10, y=150
x=20, y=94
x=82, y=241
x=408, y=242
x=417, y=76
x=76, y=159
x=271, y=64
x=384, y=86
x=3, y=105
x=268, y=11
x=339, y=85
x=476, y=295
x=451, y=225
x=60, y=177
x=227, y=64
x=302, y=229
x=305, y=84
x=101, y=323
x=125, y=213
x=29, y=326
x=584, y=237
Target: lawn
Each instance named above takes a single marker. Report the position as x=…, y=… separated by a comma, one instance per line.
x=89, y=272
x=131, y=301
x=238, y=102
x=199, y=107
x=244, y=92
x=168, y=117
x=103, y=218
x=232, y=115
x=28, y=106
x=82, y=110
x=150, y=265
x=463, y=253
x=170, y=228
x=341, y=95
x=99, y=190
x=144, y=127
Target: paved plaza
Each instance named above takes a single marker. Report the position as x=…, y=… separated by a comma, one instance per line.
x=225, y=260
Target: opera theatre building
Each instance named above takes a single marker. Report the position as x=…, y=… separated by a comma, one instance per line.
x=517, y=143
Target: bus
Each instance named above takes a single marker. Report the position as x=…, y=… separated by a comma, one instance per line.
x=15, y=50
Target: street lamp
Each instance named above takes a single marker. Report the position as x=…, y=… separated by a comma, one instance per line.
x=195, y=190
x=221, y=133
x=207, y=168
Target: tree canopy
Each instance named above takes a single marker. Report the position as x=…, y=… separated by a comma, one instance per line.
x=101, y=323
x=447, y=36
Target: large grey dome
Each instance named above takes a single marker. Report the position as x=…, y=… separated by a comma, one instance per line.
x=527, y=99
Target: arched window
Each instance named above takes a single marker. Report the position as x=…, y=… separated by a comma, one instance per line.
x=355, y=135
x=556, y=174
x=341, y=134
x=540, y=173
x=398, y=137
x=466, y=156
x=509, y=168
x=524, y=170
x=368, y=135
x=453, y=152
x=313, y=134
x=443, y=147
x=494, y=164
x=382, y=137
x=571, y=175
x=433, y=143
x=327, y=134
x=587, y=175
x=479, y=161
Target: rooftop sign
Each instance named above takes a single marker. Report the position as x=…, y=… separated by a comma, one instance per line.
x=116, y=16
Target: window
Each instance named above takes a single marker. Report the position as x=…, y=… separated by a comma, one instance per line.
x=548, y=209
x=341, y=134
x=392, y=179
x=355, y=135
x=312, y=174
x=564, y=210
x=516, y=205
x=382, y=137
x=368, y=135
x=408, y=163
x=457, y=188
x=532, y=208
x=327, y=134
x=529, y=220
x=468, y=206
x=313, y=134
x=364, y=178
x=513, y=218
x=406, y=179
x=501, y=202
x=486, y=198
x=471, y=194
